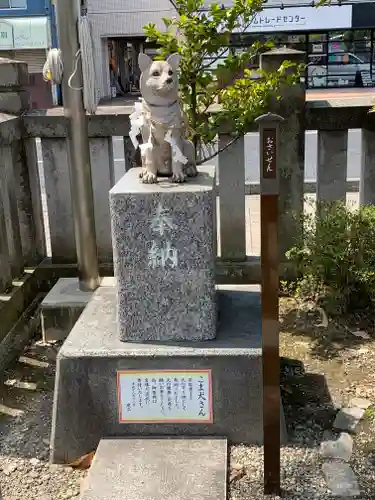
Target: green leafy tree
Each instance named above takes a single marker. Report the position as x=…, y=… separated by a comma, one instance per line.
x=216, y=84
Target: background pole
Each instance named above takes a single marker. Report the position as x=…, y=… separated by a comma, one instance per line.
x=68, y=13
x=269, y=199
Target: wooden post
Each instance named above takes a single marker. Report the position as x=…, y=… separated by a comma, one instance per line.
x=291, y=151
x=269, y=199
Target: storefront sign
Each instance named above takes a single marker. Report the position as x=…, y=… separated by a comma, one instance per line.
x=6, y=35
x=366, y=78
x=162, y=396
x=302, y=19
x=317, y=48
x=25, y=33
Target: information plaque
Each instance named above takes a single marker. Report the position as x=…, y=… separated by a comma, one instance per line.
x=162, y=396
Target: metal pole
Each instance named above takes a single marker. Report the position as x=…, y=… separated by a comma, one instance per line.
x=269, y=199
x=67, y=13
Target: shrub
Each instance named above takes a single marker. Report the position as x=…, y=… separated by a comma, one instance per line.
x=335, y=258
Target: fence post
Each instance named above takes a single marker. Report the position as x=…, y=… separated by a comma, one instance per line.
x=332, y=163
x=269, y=214
x=10, y=209
x=132, y=156
x=232, y=199
x=291, y=157
x=14, y=100
x=5, y=269
x=102, y=166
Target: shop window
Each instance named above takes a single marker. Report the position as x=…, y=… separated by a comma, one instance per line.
x=340, y=58
x=13, y=4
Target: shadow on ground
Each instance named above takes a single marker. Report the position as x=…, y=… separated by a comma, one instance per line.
x=329, y=338
x=308, y=406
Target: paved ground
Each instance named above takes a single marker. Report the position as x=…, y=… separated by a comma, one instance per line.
x=312, y=94
x=317, y=94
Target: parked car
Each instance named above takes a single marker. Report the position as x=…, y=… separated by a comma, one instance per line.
x=343, y=68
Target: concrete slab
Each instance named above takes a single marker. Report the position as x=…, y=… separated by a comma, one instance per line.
x=62, y=307
x=151, y=469
x=86, y=404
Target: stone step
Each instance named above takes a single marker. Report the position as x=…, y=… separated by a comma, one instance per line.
x=62, y=307
x=153, y=469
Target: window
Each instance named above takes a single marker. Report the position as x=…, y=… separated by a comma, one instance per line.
x=354, y=59
x=13, y=4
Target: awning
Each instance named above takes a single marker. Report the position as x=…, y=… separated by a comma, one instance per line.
x=25, y=33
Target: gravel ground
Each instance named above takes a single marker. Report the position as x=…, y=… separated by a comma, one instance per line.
x=310, y=400
x=322, y=370
x=25, y=422
x=301, y=474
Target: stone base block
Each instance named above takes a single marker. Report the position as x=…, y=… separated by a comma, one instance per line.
x=61, y=309
x=86, y=406
x=158, y=469
x=164, y=254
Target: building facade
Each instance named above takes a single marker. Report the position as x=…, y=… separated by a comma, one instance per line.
x=27, y=31
x=338, y=39
x=117, y=31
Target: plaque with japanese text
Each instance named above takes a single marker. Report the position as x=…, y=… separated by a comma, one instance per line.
x=162, y=396
x=269, y=153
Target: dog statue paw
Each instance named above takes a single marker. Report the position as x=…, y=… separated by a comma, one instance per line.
x=158, y=118
x=191, y=171
x=148, y=177
x=178, y=177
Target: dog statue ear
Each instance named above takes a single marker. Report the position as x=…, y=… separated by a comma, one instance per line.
x=144, y=62
x=174, y=61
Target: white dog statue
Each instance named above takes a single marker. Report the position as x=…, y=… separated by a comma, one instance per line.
x=159, y=119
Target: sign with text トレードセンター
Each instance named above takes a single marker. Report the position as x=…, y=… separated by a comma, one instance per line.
x=302, y=19
x=162, y=396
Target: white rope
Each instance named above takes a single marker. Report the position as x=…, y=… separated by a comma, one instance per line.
x=53, y=68
x=90, y=99
x=136, y=123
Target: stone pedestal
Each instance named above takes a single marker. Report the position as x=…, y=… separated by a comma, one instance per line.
x=164, y=257
x=87, y=404
x=167, y=373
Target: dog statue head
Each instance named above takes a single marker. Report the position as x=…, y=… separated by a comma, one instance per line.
x=159, y=79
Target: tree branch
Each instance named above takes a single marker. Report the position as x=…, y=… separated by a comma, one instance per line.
x=213, y=155
x=205, y=66
x=174, y=5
